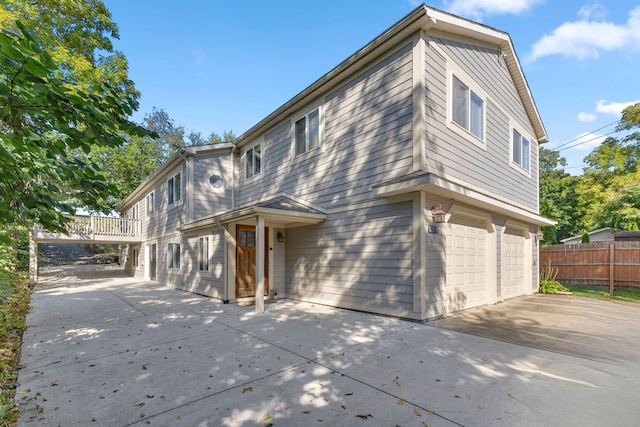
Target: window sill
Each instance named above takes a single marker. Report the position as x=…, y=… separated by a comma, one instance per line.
x=467, y=135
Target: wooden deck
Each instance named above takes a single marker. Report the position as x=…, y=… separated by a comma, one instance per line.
x=94, y=229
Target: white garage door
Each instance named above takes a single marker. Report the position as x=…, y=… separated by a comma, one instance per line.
x=466, y=264
x=513, y=264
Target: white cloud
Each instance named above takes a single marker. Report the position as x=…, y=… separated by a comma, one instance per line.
x=615, y=108
x=586, y=117
x=587, y=141
x=477, y=9
x=199, y=56
x=588, y=37
x=592, y=11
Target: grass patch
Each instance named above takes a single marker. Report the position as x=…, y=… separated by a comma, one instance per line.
x=602, y=292
x=15, y=295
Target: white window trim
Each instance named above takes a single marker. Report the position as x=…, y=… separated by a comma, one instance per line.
x=208, y=269
x=526, y=136
x=217, y=172
x=152, y=195
x=453, y=70
x=305, y=116
x=258, y=175
x=170, y=265
x=178, y=201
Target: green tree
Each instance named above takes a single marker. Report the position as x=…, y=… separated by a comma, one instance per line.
x=170, y=138
x=610, y=187
x=227, y=136
x=558, y=197
x=585, y=237
x=54, y=109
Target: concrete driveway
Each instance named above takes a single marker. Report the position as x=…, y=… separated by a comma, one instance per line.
x=119, y=352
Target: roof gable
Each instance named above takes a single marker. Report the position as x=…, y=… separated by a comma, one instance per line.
x=423, y=18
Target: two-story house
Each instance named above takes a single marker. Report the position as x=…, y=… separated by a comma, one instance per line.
x=403, y=182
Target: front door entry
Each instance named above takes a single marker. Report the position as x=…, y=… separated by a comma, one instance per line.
x=246, y=261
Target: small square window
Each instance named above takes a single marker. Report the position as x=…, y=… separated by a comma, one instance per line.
x=467, y=108
x=174, y=189
x=136, y=256
x=203, y=253
x=520, y=150
x=307, y=132
x=173, y=256
x=253, y=161
x=151, y=205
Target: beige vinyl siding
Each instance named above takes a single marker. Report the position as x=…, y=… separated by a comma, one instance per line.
x=366, y=138
x=207, y=200
x=361, y=257
x=166, y=218
x=449, y=154
x=209, y=283
x=170, y=277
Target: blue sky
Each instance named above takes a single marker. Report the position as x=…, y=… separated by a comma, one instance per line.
x=217, y=65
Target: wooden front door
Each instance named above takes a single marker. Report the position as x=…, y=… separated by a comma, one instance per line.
x=246, y=261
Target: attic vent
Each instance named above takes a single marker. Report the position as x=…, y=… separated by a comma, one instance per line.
x=216, y=181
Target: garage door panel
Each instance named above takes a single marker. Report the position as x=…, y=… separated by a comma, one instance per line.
x=466, y=264
x=513, y=264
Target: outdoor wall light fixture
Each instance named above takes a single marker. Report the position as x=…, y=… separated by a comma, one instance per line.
x=539, y=235
x=439, y=215
x=280, y=237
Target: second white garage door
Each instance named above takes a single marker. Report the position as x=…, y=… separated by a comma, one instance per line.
x=466, y=273
x=513, y=268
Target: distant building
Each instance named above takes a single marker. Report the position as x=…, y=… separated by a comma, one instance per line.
x=627, y=236
x=601, y=235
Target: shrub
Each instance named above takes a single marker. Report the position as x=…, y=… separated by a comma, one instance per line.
x=548, y=282
x=551, y=287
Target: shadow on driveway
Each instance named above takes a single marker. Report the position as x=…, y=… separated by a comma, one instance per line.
x=582, y=327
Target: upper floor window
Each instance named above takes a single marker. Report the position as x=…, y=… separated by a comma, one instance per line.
x=134, y=212
x=467, y=108
x=173, y=256
x=307, y=132
x=174, y=189
x=253, y=161
x=520, y=150
x=151, y=203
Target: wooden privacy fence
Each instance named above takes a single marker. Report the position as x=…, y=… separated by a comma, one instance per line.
x=600, y=263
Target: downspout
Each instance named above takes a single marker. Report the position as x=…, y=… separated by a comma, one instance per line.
x=228, y=274
x=234, y=150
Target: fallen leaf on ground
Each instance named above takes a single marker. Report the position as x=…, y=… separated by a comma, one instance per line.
x=249, y=389
x=401, y=402
x=416, y=412
x=510, y=395
x=139, y=405
x=364, y=416
x=144, y=367
x=424, y=423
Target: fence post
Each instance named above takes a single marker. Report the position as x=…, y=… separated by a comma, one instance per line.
x=611, y=270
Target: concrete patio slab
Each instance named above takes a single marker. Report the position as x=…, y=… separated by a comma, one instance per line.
x=122, y=352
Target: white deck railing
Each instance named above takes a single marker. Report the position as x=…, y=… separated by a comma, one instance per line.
x=86, y=227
